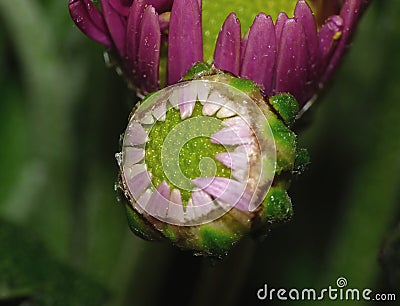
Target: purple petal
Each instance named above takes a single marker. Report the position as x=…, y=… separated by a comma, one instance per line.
x=139, y=183
x=292, y=63
x=89, y=20
x=280, y=23
x=233, y=160
x=241, y=175
x=116, y=26
x=176, y=197
x=175, y=208
x=200, y=198
x=203, y=90
x=183, y=94
x=149, y=50
x=212, y=105
x=159, y=201
x=185, y=41
x=120, y=7
x=233, y=135
x=202, y=203
x=304, y=15
x=131, y=171
x=226, y=111
x=227, y=50
x=260, y=55
x=136, y=135
x=95, y=15
x=160, y=112
x=160, y=5
x=133, y=155
x=234, y=121
x=186, y=109
x=144, y=198
x=188, y=97
x=328, y=36
x=351, y=12
x=226, y=190
x=133, y=34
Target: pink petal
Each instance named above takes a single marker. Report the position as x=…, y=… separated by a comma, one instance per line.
x=233, y=160
x=136, y=135
x=139, y=183
x=159, y=201
x=229, y=191
x=133, y=155
x=232, y=135
x=175, y=209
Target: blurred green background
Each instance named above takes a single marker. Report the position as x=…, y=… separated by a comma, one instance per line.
x=64, y=239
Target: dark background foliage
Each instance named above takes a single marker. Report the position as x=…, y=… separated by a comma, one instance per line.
x=64, y=239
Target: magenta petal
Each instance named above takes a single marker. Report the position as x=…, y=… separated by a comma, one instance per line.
x=227, y=50
x=260, y=55
x=133, y=34
x=280, y=23
x=159, y=201
x=233, y=135
x=149, y=50
x=89, y=22
x=185, y=40
x=139, y=183
x=304, y=15
x=351, y=12
x=116, y=26
x=292, y=64
x=328, y=36
x=119, y=7
x=95, y=15
x=226, y=190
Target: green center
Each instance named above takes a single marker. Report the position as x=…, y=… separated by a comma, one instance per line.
x=180, y=150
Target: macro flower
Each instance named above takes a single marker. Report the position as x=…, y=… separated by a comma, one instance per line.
x=208, y=154
x=206, y=161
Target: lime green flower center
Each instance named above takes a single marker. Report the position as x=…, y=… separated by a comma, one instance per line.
x=179, y=151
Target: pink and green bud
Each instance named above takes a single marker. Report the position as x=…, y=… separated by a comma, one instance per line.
x=206, y=161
